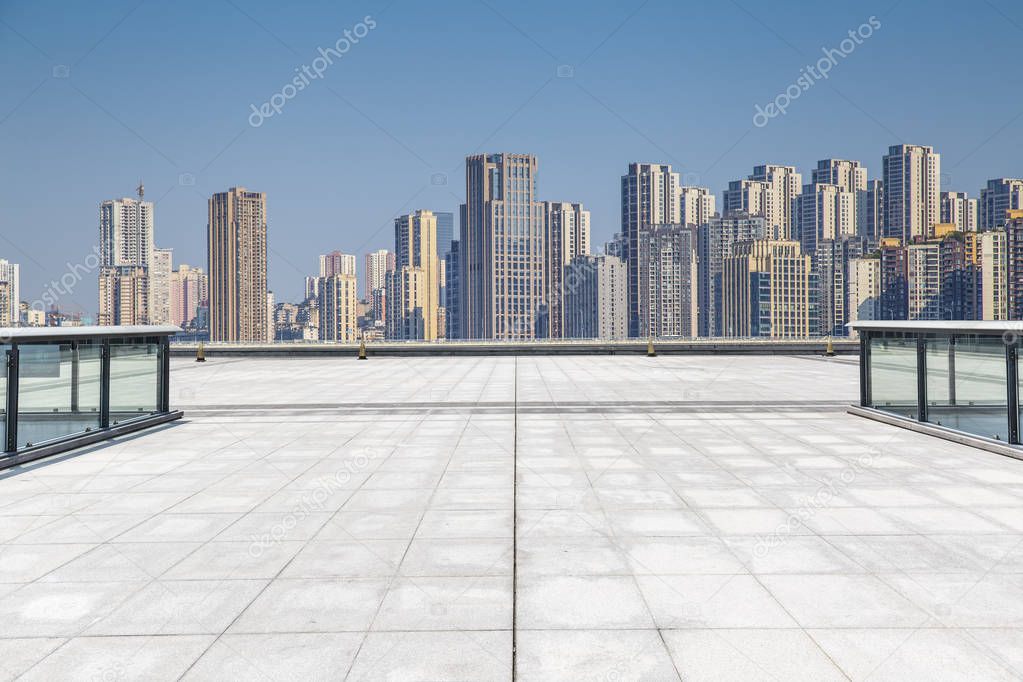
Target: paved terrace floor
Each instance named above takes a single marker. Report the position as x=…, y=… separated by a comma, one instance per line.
x=608, y=518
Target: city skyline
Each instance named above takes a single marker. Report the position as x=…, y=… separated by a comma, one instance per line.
x=332, y=195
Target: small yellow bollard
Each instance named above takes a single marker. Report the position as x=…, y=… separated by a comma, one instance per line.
x=650, y=352
x=829, y=350
x=200, y=353
x=362, y=350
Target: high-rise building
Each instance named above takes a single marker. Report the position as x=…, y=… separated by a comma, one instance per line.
x=445, y=232
x=312, y=288
x=160, y=268
x=991, y=257
x=872, y=223
x=848, y=176
x=567, y=229
x=912, y=184
x=452, y=309
x=1000, y=195
x=1014, y=262
x=959, y=210
x=959, y=288
x=337, y=263
x=378, y=263
x=189, y=291
x=126, y=231
x=271, y=328
x=123, y=295
x=824, y=212
x=338, y=308
x=10, y=277
x=236, y=238
x=864, y=290
x=714, y=243
x=894, y=274
x=767, y=290
x=502, y=250
x=769, y=192
x=831, y=262
x=695, y=205
x=650, y=197
x=923, y=280
x=413, y=287
x=126, y=243
x=596, y=298
x=667, y=281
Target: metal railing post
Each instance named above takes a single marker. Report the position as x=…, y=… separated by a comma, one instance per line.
x=163, y=381
x=104, y=384
x=921, y=379
x=865, y=368
x=75, y=376
x=12, y=399
x=1012, y=390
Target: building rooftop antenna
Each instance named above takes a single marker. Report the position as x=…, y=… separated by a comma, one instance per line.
x=141, y=190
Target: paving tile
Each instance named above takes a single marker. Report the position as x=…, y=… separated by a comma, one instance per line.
x=294, y=657
x=569, y=655
x=582, y=603
x=324, y=605
x=748, y=656
x=117, y=658
x=459, y=655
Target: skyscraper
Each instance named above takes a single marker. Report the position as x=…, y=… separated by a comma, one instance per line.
x=236, y=238
x=831, y=262
x=767, y=290
x=714, y=243
x=126, y=245
x=10, y=277
x=864, y=289
x=650, y=197
x=958, y=209
x=848, y=176
x=377, y=264
x=567, y=229
x=991, y=256
x=696, y=205
x=502, y=283
x=160, y=268
x=1014, y=262
x=871, y=225
x=188, y=292
x=338, y=308
x=596, y=301
x=911, y=191
x=445, y=231
x=894, y=274
x=923, y=281
x=123, y=295
x=1000, y=195
x=337, y=263
x=770, y=192
x=824, y=212
x=413, y=287
x=126, y=231
x=667, y=281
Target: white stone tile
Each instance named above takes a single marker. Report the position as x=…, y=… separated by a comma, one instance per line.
x=822, y=601
x=570, y=655
x=748, y=656
x=459, y=655
x=121, y=658
x=583, y=603
x=324, y=605
x=294, y=657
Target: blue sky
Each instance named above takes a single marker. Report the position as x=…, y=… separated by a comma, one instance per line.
x=95, y=96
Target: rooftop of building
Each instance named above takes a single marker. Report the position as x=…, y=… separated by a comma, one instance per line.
x=686, y=517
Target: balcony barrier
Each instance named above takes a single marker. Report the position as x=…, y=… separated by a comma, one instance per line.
x=959, y=377
x=65, y=387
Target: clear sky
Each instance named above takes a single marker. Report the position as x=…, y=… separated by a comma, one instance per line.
x=97, y=95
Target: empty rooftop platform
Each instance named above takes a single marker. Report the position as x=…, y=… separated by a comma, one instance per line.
x=495, y=518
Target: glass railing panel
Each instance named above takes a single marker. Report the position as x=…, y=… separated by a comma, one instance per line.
x=893, y=385
x=51, y=403
x=978, y=401
x=134, y=380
